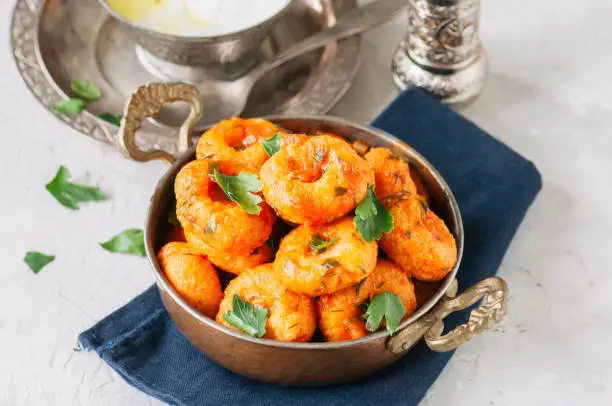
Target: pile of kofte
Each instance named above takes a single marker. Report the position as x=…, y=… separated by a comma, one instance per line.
x=338, y=205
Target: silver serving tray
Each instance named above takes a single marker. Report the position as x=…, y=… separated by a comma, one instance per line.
x=55, y=41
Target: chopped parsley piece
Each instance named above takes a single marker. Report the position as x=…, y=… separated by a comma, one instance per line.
x=340, y=191
x=319, y=244
x=272, y=145
x=111, y=118
x=70, y=106
x=85, y=90
x=71, y=194
x=37, y=260
x=330, y=263
x=130, y=241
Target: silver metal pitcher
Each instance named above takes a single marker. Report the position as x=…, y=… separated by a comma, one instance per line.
x=442, y=52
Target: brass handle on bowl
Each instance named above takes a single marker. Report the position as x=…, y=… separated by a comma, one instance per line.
x=490, y=312
x=148, y=101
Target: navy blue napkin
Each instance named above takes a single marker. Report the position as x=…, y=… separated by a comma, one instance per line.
x=494, y=187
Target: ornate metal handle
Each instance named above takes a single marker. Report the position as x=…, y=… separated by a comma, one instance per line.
x=146, y=102
x=491, y=311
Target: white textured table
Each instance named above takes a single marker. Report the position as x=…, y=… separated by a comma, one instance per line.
x=549, y=97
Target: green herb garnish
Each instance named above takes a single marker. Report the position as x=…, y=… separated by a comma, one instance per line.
x=71, y=194
x=248, y=319
x=330, y=263
x=372, y=219
x=386, y=305
x=111, y=118
x=340, y=191
x=85, y=90
x=239, y=189
x=70, y=106
x=130, y=241
x=37, y=260
x=319, y=244
x=272, y=145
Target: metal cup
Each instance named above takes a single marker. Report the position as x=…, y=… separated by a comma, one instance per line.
x=227, y=56
x=442, y=52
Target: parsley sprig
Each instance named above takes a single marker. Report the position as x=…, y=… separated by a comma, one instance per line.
x=240, y=189
x=372, y=218
x=251, y=320
x=130, y=241
x=387, y=305
x=71, y=194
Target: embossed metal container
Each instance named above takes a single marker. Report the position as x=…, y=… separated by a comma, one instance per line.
x=229, y=54
x=442, y=51
x=313, y=363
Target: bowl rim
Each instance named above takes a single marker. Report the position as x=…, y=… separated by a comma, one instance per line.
x=192, y=39
x=163, y=283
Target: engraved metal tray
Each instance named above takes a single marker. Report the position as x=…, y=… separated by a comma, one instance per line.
x=54, y=41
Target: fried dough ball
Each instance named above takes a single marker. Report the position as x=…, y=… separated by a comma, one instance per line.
x=391, y=173
x=317, y=180
x=345, y=260
x=420, y=243
x=341, y=313
x=233, y=144
x=204, y=210
x=192, y=276
x=291, y=315
x=229, y=262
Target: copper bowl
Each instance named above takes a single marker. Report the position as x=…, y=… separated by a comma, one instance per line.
x=313, y=363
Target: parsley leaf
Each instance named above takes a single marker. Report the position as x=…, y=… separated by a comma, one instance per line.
x=372, y=219
x=70, y=106
x=248, y=319
x=130, y=241
x=71, y=194
x=318, y=244
x=239, y=189
x=111, y=118
x=37, y=260
x=386, y=305
x=340, y=191
x=272, y=145
x=330, y=264
x=85, y=90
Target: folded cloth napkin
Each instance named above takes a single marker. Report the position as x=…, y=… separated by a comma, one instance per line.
x=494, y=187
